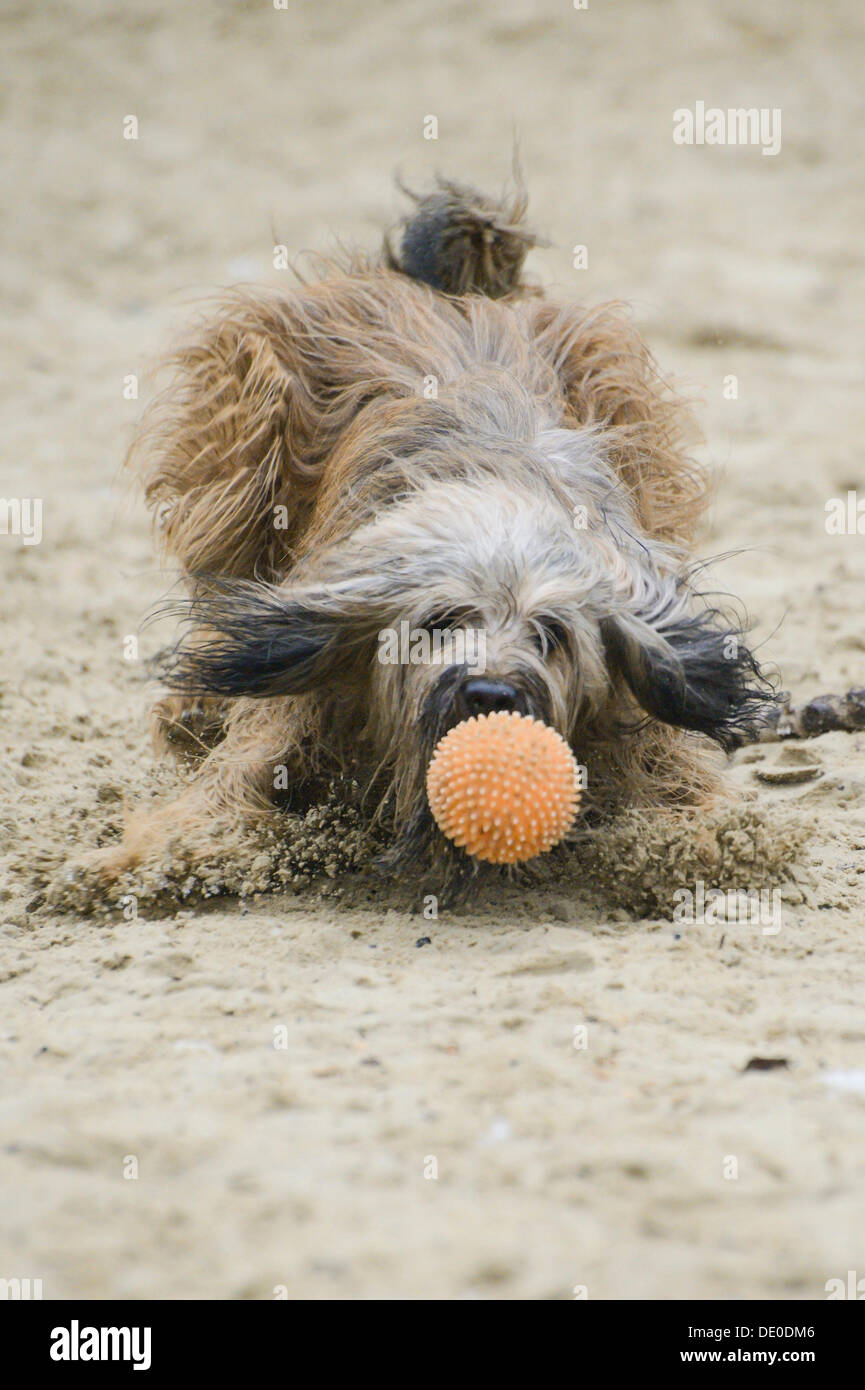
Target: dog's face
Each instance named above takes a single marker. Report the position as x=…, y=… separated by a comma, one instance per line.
x=508, y=600
x=491, y=591
x=496, y=604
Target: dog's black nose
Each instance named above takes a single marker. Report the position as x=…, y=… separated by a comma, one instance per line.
x=481, y=696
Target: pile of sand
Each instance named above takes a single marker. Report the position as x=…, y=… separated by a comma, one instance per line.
x=634, y=862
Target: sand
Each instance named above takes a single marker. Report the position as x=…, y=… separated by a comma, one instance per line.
x=284, y=1079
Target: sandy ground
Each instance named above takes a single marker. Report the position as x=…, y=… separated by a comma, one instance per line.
x=647, y=1163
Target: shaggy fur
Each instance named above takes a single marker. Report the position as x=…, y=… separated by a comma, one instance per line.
x=424, y=439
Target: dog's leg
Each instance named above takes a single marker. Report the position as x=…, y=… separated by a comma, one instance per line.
x=187, y=726
x=609, y=378
x=234, y=785
x=231, y=453
x=224, y=455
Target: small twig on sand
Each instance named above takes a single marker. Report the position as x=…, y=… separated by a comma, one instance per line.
x=822, y=715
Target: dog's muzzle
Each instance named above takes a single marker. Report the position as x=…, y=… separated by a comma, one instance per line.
x=481, y=695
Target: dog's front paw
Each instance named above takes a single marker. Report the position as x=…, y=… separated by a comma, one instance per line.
x=93, y=880
x=103, y=867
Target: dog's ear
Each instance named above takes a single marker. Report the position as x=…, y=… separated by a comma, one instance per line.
x=258, y=640
x=690, y=669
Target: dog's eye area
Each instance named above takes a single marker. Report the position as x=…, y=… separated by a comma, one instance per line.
x=444, y=621
x=549, y=634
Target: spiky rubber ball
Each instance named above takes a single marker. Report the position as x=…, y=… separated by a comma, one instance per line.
x=503, y=787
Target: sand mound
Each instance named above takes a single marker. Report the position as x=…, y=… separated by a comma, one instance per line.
x=634, y=862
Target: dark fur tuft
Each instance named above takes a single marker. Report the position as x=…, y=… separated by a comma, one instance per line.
x=252, y=639
x=460, y=242
x=700, y=676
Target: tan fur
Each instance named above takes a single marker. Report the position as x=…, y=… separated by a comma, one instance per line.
x=312, y=400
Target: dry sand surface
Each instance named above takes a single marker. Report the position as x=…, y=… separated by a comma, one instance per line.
x=303, y=1165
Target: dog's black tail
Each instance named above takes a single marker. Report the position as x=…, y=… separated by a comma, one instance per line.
x=461, y=242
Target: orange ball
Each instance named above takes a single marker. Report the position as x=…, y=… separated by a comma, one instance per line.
x=503, y=787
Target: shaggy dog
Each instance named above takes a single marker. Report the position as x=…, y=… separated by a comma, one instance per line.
x=424, y=439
